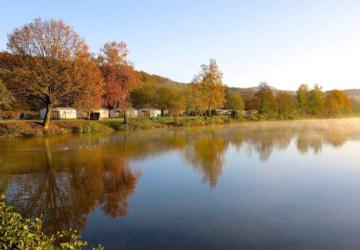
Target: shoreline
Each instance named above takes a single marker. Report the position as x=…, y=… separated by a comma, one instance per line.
x=33, y=128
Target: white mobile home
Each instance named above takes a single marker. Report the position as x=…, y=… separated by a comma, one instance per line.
x=116, y=113
x=132, y=113
x=100, y=114
x=149, y=112
x=60, y=113
x=223, y=111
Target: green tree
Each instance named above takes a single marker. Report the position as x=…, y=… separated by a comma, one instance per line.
x=144, y=96
x=234, y=101
x=165, y=97
x=316, y=101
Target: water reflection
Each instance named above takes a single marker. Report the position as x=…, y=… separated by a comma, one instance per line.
x=63, y=179
x=62, y=185
x=206, y=153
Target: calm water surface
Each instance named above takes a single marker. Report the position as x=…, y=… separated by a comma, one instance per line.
x=290, y=185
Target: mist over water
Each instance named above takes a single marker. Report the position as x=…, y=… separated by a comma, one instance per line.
x=272, y=185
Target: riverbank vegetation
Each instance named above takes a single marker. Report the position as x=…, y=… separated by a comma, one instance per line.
x=14, y=128
x=48, y=65
x=17, y=232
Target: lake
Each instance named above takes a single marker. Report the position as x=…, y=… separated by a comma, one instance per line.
x=266, y=185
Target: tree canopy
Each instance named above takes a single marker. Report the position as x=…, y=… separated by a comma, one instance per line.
x=208, y=87
x=338, y=102
x=234, y=101
x=48, y=51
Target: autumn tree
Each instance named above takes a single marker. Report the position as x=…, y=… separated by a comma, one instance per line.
x=47, y=49
x=119, y=75
x=302, y=98
x=264, y=100
x=338, y=102
x=234, y=101
x=316, y=101
x=194, y=102
x=209, y=84
x=90, y=82
x=9, y=63
x=285, y=105
x=6, y=97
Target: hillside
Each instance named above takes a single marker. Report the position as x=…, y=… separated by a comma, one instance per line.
x=156, y=80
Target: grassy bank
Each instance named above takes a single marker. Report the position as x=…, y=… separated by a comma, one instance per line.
x=17, y=128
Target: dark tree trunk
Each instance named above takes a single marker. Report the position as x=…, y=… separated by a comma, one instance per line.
x=125, y=117
x=47, y=117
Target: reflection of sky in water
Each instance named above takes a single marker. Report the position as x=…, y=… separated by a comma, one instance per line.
x=275, y=187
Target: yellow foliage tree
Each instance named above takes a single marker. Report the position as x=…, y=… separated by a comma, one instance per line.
x=338, y=102
x=208, y=88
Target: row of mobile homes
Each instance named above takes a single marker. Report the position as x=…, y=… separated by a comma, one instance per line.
x=133, y=113
x=62, y=113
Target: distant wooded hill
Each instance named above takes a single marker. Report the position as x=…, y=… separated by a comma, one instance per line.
x=353, y=93
x=157, y=80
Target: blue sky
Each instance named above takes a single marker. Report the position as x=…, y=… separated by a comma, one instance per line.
x=282, y=42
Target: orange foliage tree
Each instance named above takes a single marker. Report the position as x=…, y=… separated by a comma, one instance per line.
x=120, y=76
x=91, y=82
x=50, y=53
x=338, y=102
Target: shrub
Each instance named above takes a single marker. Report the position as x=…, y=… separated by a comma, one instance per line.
x=90, y=127
x=9, y=115
x=17, y=232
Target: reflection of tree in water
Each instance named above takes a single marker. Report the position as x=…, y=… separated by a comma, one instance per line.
x=305, y=143
x=207, y=154
x=314, y=140
x=119, y=183
x=65, y=196
x=336, y=141
x=263, y=141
